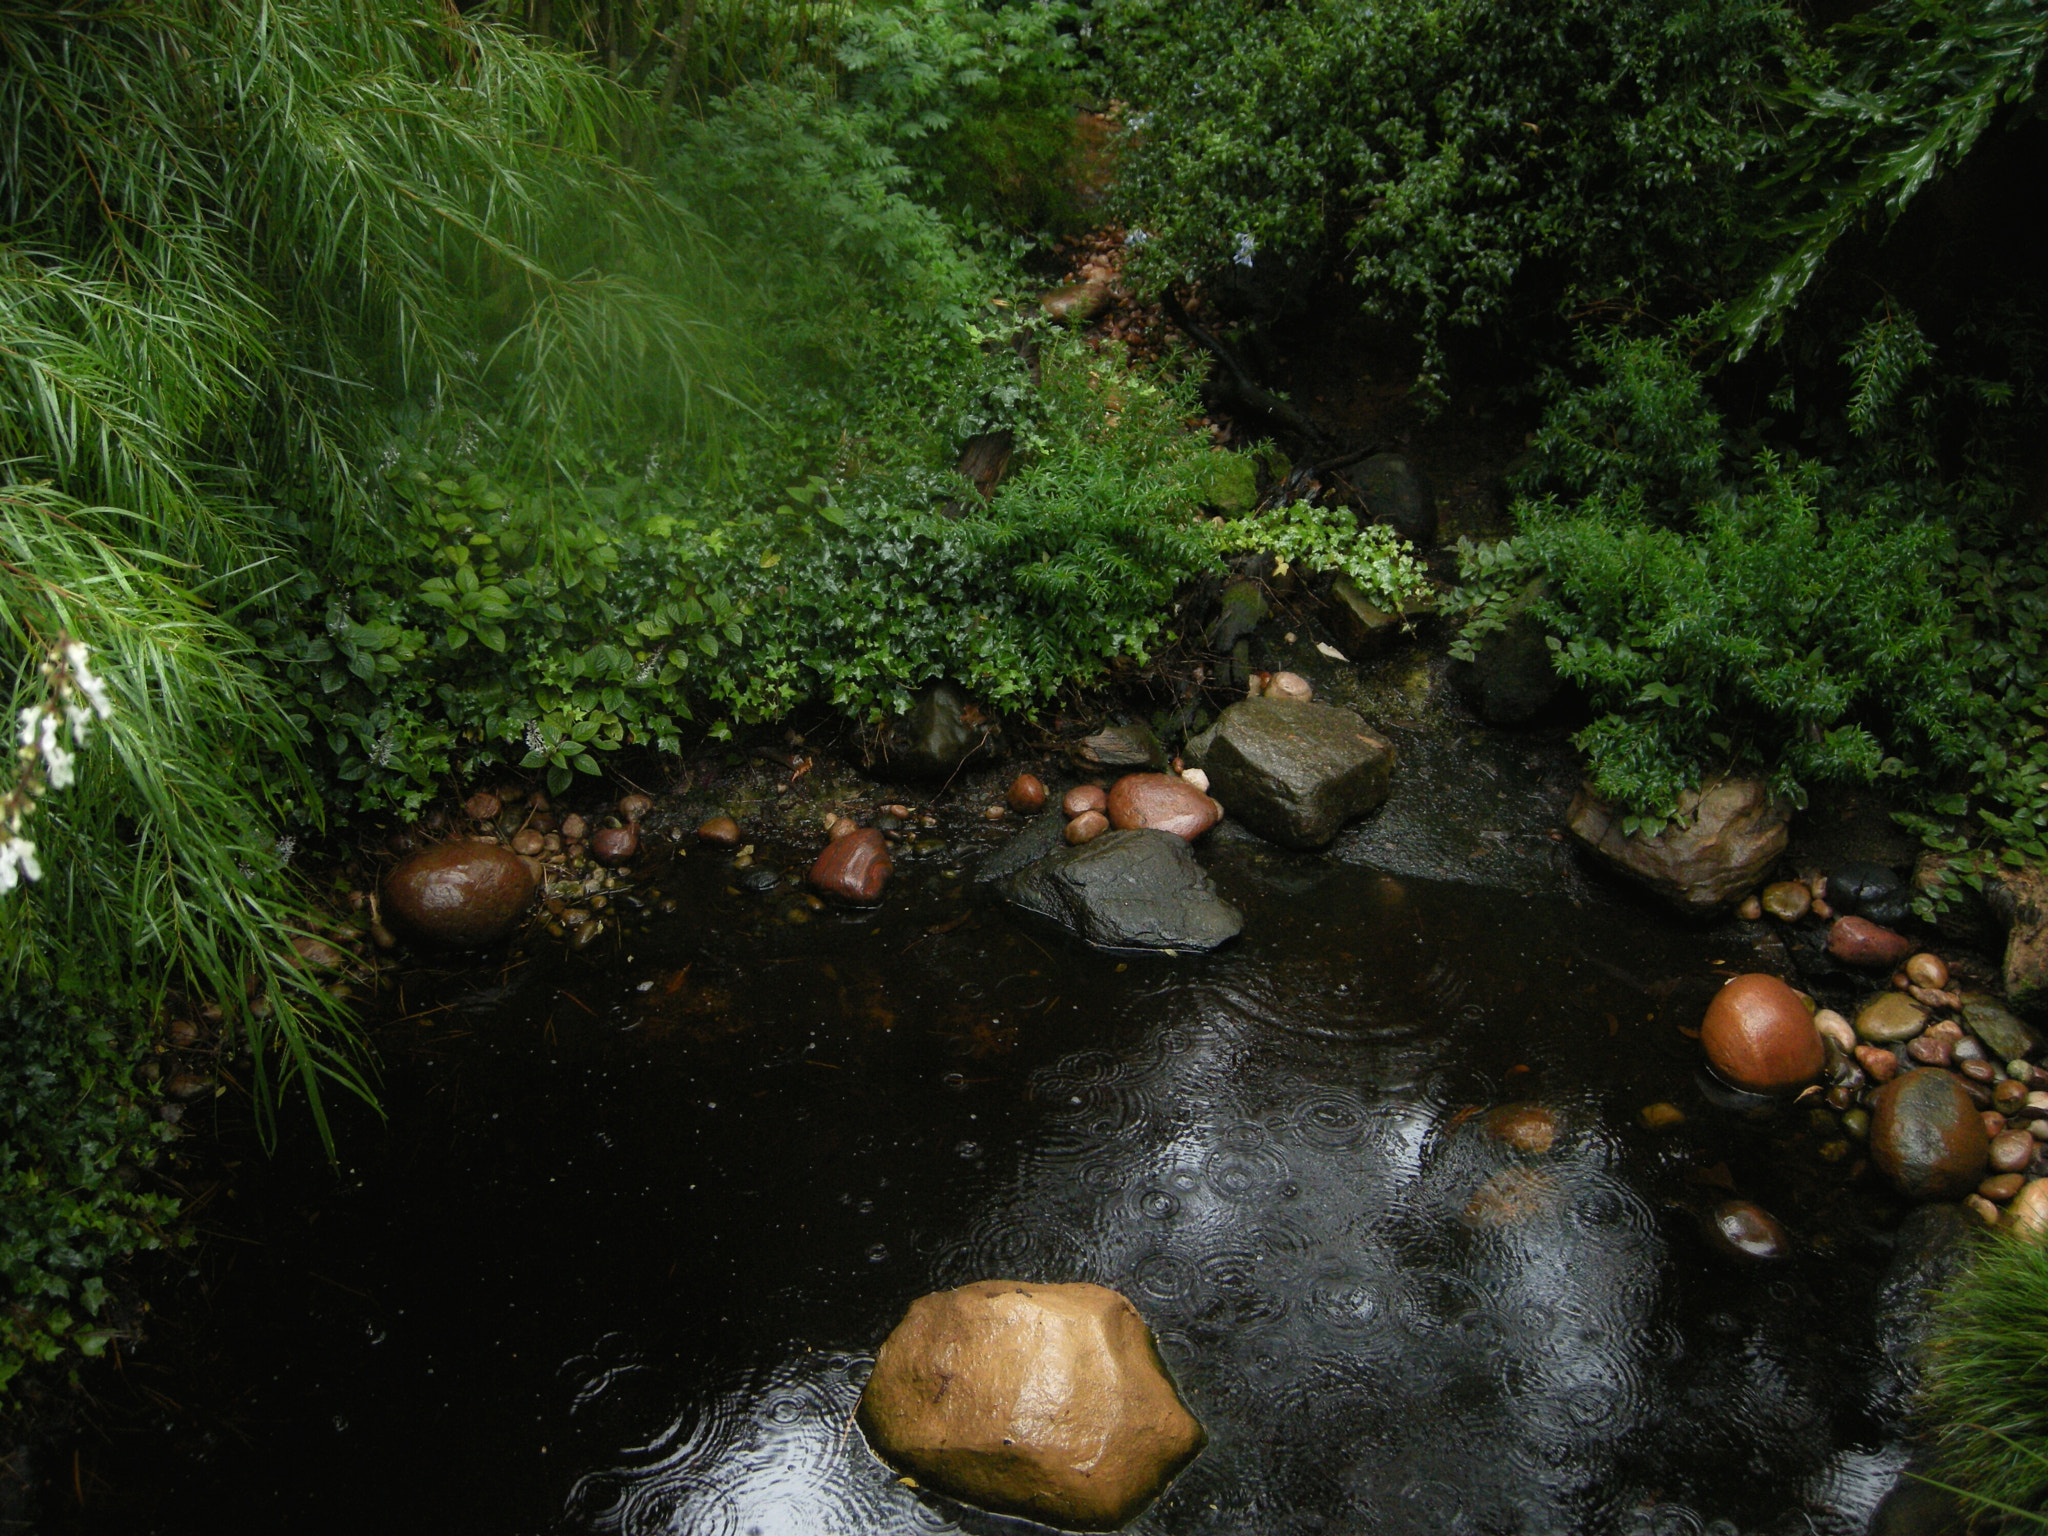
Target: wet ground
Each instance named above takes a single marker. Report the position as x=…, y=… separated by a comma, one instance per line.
x=620, y=1258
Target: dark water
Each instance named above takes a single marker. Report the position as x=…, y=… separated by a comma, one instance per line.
x=620, y=1259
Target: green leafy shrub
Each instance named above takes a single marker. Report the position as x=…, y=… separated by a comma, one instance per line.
x=1455, y=158
x=1329, y=541
x=73, y=1134
x=555, y=624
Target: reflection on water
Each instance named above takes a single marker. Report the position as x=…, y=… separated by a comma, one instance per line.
x=620, y=1262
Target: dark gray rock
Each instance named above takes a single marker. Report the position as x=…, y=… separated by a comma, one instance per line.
x=1244, y=609
x=1510, y=679
x=1870, y=891
x=1296, y=772
x=1037, y=838
x=1127, y=890
x=1933, y=1247
x=2007, y=1037
x=941, y=731
x=1398, y=494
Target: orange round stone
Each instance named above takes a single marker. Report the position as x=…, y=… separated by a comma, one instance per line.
x=1759, y=1036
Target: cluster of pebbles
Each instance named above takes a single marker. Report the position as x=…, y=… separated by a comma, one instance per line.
x=1943, y=1085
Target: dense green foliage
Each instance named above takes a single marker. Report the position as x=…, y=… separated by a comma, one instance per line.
x=1760, y=618
x=1454, y=159
x=73, y=1135
x=1986, y=1386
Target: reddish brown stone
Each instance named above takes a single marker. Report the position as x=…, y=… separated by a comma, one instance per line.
x=1758, y=1035
x=1083, y=798
x=720, y=832
x=2001, y=1186
x=460, y=894
x=633, y=807
x=1525, y=1127
x=1026, y=795
x=1163, y=803
x=1925, y=1135
x=2011, y=1151
x=1994, y=1122
x=1881, y=1064
x=1858, y=941
x=854, y=868
x=529, y=843
x=1741, y=1230
x=1931, y=1050
x=1925, y=970
x=483, y=806
x=614, y=845
x=1086, y=827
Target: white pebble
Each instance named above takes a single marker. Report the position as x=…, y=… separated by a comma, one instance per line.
x=1196, y=777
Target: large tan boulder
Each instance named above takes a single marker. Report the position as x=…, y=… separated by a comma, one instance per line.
x=1723, y=841
x=1047, y=1401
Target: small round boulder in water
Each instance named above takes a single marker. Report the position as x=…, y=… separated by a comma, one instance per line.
x=1759, y=1036
x=1045, y=1401
x=1927, y=1136
x=459, y=894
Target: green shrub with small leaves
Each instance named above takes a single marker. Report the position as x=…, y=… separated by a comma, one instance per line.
x=75, y=1132
x=1329, y=541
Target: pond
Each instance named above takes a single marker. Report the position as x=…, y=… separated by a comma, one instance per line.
x=640, y=1216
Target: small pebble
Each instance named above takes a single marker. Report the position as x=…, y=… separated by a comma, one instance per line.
x=2008, y=1095
x=482, y=806
x=1821, y=909
x=1086, y=827
x=1289, y=685
x=2038, y=1129
x=1983, y=1072
x=574, y=827
x=2019, y=1070
x=841, y=826
x=1925, y=970
x=181, y=1032
x=1083, y=798
x=1787, y=900
x=1196, y=777
x=1833, y=1151
x=587, y=935
x=529, y=844
x=1994, y=1123
x=1835, y=1029
x=2011, y=1151
x=1660, y=1116
x=991, y=813
x=1930, y=1049
x=1881, y=1064
x=1026, y=794
x=2001, y=1186
x=1750, y=910
x=1841, y=1096
x=1968, y=1049
x=634, y=807
x=1745, y=1231
x=614, y=845
x=1856, y=1123
x=1982, y=1209
x=188, y=1085
x=720, y=832
x=900, y=812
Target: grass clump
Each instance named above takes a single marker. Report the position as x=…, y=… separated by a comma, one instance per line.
x=1985, y=1392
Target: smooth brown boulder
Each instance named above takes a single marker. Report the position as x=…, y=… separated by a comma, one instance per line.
x=1759, y=1036
x=1045, y=1401
x=1926, y=1137
x=854, y=868
x=1858, y=941
x=459, y=894
x=1725, y=837
x=1162, y=803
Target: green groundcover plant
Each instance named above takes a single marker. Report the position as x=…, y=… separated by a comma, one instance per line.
x=1985, y=1391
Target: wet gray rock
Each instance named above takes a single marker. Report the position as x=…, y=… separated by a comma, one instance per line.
x=1726, y=836
x=1040, y=836
x=1294, y=772
x=941, y=731
x=2007, y=1037
x=1932, y=1248
x=1864, y=889
x=1398, y=494
x=1510, y=679
x=1363, y=625
x=1126, y=890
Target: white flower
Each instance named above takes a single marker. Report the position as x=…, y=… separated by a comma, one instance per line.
x=286, y=847
x=1245, y=247
x=17, y=859
x=95, y=691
